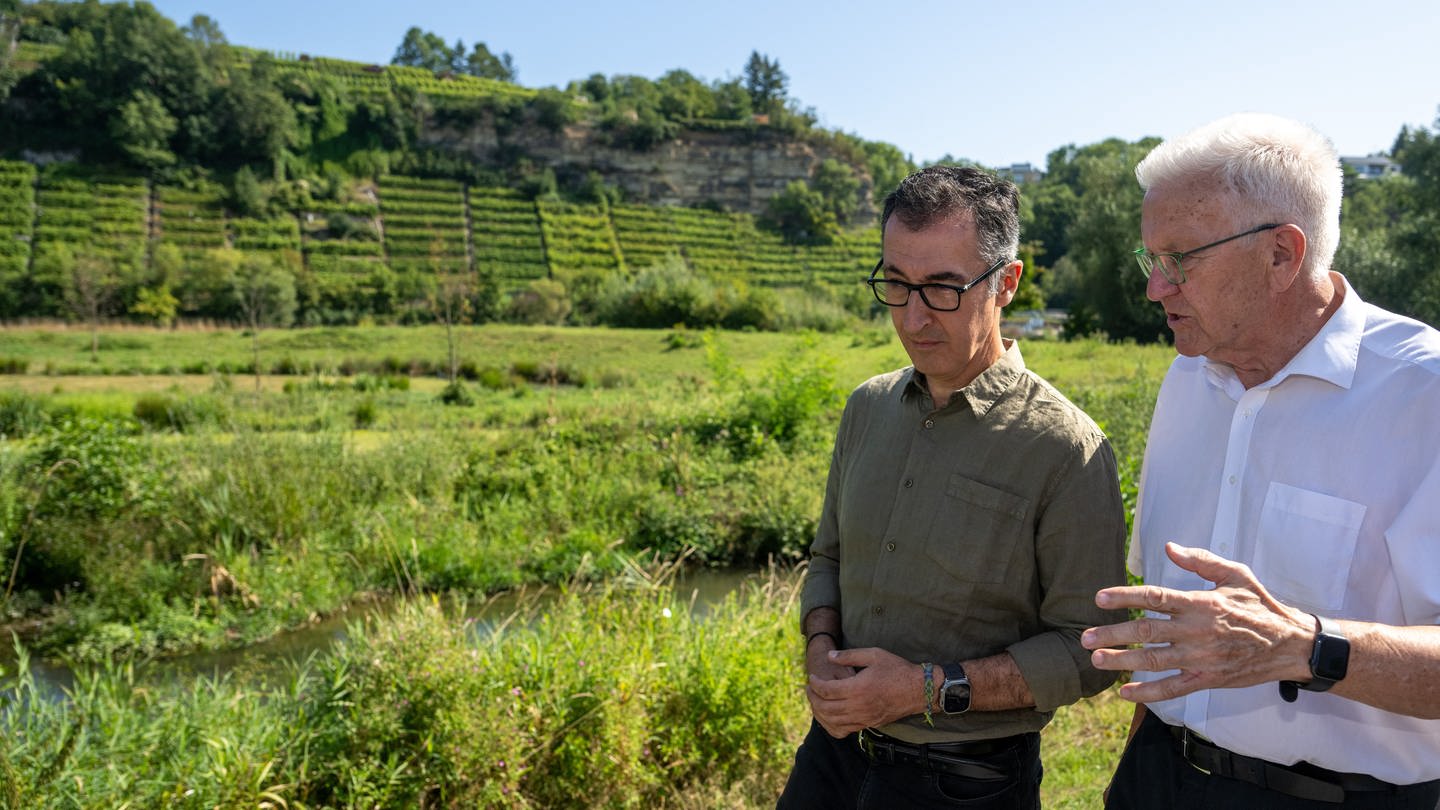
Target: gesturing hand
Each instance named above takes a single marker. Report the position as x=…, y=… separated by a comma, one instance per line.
x=1233, y=636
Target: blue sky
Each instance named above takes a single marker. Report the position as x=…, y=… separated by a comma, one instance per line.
x=994, y=82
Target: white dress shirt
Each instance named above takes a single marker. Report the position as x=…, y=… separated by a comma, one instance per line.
x=1325, y=480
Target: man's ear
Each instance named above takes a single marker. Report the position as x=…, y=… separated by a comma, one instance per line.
x=1287, y=256
x=1010, y=282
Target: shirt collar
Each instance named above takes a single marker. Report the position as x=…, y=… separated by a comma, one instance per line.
x=984, y=391
x=1330, y=355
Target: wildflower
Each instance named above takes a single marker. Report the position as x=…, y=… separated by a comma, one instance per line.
x=665, y=613
x=517, y=691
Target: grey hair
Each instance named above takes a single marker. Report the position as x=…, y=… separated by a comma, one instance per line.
x=1276, y=169
x=937, y=193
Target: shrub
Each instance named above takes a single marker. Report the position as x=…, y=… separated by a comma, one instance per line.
x=456, y=393
x=182, y=415
x=364, y=413
x=543, y=301
x=21, y=414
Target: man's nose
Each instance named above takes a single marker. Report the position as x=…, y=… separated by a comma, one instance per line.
x=1158, y=287
x=916, y=312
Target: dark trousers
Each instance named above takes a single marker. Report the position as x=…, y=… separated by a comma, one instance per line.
x=831, y=774
x=1152, y=775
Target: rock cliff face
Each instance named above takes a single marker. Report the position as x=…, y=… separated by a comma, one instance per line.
x=738, y=171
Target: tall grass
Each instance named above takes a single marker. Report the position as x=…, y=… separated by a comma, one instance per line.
x=613, y=695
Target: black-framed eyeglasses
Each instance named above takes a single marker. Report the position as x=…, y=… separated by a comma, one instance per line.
x=1169, y=263
x=939, y=297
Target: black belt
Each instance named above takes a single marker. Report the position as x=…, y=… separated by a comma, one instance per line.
x=957, y=759
x=1301, y=780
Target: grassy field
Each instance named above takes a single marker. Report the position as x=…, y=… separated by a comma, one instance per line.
x=157, y=501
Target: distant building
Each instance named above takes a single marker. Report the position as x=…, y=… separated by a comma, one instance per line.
x=1372, y=166
x=1020, y=173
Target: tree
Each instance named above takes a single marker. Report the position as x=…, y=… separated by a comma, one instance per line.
x=543, y=301
x=156, y=304
x=801, y=215
x=116, y=51
x=424, y=49
x=90, y=289
x=481, y=62
x=683, y=97
x=765, y=82
x=451, y=300
x=887, y=166
x=247, y=196
x=1416, y=236
x=142, y=128
x=263, y=289
x=838, y=185
x=9, y=31
x=204, y=31
x=1052, y=209
x=1104, y=235
x=256, y=124
x=732, y=101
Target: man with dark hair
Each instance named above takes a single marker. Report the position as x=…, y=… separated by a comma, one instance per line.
x=1289, y=501
x=970, y=512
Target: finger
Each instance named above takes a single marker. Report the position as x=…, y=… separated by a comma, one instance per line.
x=862, y=657
x=828, y=689
x=1143, y=597
x=1144, y=659
x=1207, y=564
x=1163, y=689
x=1136, y=631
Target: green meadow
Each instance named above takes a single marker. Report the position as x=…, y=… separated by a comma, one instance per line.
x=173, y=495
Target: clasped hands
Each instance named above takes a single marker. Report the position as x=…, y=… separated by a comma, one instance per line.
x=1235, y=635
x=850, y=690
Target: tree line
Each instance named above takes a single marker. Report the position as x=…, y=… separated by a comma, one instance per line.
x=127, y=89
x=1082, y=220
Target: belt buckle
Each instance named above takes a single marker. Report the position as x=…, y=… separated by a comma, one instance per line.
x=1187, y=750
x=875, y=750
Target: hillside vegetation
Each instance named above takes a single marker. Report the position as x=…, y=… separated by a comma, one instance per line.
x=286, y=188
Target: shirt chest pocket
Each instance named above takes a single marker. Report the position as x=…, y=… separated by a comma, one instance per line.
x=977, y=531
x=1305, y=545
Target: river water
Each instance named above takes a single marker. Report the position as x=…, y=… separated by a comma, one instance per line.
x=700, y=589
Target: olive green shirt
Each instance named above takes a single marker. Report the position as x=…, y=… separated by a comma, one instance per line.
x=981, y=527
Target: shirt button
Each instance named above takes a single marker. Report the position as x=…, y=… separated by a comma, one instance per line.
x=878, y=610
x=1232, y=480
x=890, y=546
x=929, y=423
x=909, y=482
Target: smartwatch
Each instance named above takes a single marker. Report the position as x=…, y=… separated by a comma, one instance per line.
x=1329, y=661
x=955, y=691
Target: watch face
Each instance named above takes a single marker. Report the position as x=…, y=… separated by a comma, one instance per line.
x=1331, y=658
x=957, y=696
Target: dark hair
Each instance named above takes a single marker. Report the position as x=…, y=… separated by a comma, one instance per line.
x=939, y=192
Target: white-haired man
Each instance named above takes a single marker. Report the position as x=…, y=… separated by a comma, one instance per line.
x=1289, y=502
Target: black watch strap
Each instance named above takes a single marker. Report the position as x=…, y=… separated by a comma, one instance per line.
x=1329, y=661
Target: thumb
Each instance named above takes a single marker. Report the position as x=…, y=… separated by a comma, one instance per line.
x=1207, y=564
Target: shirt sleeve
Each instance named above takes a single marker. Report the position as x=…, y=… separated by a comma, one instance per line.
x=822, y=578
x=1079, y=548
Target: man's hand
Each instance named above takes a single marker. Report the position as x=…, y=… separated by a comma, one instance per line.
x=881, y=687
x=1233, y=636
